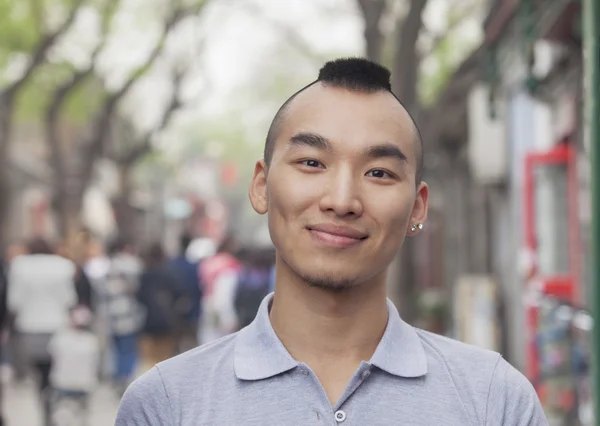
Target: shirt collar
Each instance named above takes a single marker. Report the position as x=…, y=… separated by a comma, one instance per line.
x=259, y=354
x=400, y=351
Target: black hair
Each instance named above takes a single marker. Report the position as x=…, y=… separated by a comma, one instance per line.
x=356, y=75
x=184, y=242
x=154, y=255
x=39, y=246
x=117, y=246
x=228, y=245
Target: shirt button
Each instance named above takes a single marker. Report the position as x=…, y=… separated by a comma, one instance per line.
x=304, y=371
x=340, y=416
x=366, y=374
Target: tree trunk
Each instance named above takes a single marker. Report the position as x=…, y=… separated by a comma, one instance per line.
x=407, y=283
x=68, y=204
x=405, y=79
x=6, y=107
x=126, y=215
x=72, y=218
x=405, y=75
x=372, y=10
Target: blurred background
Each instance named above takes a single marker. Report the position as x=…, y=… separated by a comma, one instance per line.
x=129, y=131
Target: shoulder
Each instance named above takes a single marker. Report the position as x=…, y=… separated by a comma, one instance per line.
x=490, y=388
x=458, y=356
x=513, y=398
x=28, y=263
x=201, y=360
x=146, y=402
x=162, y=394
x=459, y=369
x=69, y=265
x=91, y=339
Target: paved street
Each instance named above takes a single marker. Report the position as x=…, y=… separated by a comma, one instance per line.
x=21, y=409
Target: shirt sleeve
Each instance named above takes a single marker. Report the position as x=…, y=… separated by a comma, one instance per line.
x=146, y=403
x=512, y=400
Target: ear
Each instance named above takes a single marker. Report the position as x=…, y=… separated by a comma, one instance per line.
x=419, y=211
x=258, y=188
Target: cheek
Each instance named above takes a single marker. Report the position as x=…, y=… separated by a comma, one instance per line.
x=288, y=197
x=394, y=215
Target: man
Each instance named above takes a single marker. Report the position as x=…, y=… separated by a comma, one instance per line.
x=341, y=182
x=124, y=315
x=219, y=275
x=3, y=331
x=187, y=273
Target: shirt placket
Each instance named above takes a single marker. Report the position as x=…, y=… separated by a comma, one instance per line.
x=338, y=415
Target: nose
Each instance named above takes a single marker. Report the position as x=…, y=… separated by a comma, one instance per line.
x=342, y=195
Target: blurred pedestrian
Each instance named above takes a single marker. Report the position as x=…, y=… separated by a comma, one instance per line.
x=125, y=315
x=219, y=274
x=160, y=293
x=190, y=303
x=96, y=266
x=253, y=283
x=272, y=278
x=75, y=353
x=97, y=263
x=341, y=182
x=14, y=250
x=41, y=292
x=14, y=351
x=3, y=330
x=83, y=285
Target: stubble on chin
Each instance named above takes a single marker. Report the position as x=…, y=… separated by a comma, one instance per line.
x=329, y=283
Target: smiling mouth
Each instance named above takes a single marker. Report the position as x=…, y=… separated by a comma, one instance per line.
x=336, y=237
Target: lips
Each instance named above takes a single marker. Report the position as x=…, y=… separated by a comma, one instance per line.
x=337, y=236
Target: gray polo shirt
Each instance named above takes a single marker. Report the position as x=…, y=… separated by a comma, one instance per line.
x=413, y=378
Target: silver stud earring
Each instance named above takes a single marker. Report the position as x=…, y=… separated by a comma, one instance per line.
x=418, y=226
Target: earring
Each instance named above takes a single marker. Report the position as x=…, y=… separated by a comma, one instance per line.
x=418, y=226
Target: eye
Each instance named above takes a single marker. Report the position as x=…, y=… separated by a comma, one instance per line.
x=379, y=174
x=311, y=163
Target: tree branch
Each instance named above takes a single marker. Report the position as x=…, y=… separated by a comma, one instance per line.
x=60, y=95
x=144, y=145
x=177, y=16
x=41, y=51
x=291, y=36
x=372, y=11
x=452, y=25
x=37, y=11
x=101, y=126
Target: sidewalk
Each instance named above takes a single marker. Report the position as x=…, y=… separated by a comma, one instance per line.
x=21, y=407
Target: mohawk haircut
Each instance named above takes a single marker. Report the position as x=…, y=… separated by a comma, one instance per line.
x=355, y=75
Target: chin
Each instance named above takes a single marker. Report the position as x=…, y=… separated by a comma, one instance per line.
x=330, y=282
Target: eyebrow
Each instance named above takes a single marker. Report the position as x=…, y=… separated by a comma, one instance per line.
x=317, y=141
x=385, y=150
x=312, y=140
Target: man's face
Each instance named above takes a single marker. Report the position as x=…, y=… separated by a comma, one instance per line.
x=340, y=190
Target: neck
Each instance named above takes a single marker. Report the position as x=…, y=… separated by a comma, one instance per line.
x=318, y=326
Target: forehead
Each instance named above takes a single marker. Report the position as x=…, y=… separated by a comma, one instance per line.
x=349, y=119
